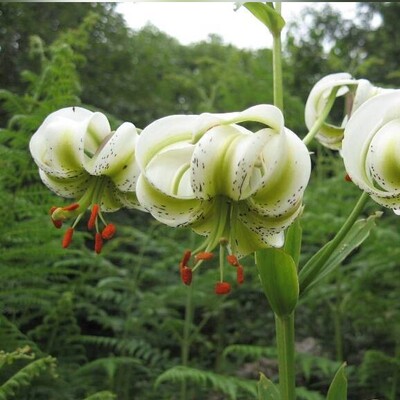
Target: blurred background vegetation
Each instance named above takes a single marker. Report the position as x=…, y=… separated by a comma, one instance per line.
x=74, y=325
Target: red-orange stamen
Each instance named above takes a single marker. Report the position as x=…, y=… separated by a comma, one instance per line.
x=98, y=243
x=232, y=260
x=222, y=288
x=108, y=231
x=347, y=178
x=71, y=207
x=204, y=256
x=67, y=239
x=185, y=259
x=93, y=216
x=240, y=274
x=186, y=275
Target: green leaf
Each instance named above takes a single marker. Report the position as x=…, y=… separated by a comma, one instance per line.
x=293, y=238
x=266, y=389
x=338, y=388
x=318, y=267
x=267, y=14
x=278, y=274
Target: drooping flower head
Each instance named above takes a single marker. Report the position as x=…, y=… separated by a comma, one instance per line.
x=371, y=149
x=239, y=188
x=80, y=157
x=355, y=93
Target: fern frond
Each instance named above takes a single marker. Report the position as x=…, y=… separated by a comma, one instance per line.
x=250, y=351
x=228, y=385
x=103, y=395
x=25, y=376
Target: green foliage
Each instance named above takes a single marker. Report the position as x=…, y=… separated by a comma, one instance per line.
x=231, y=386
x=25, y=375
x=116, y=322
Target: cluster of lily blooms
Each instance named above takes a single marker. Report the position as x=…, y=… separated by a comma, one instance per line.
x=209, y=172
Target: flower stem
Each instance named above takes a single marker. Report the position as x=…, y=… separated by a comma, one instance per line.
x=277, y=65
x=285, y=343
x=284, y=325
x=321, y=119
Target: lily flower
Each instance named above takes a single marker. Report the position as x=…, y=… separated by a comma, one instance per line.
x=322, y=98
x=80, y=157
x=370, y=149
x=239, y=188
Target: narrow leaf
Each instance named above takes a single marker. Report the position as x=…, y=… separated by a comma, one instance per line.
x=338, y=388
x=319, y=266
x=266, y=389
x=267, y=15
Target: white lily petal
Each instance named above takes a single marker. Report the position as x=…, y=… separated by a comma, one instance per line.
x=287, y=172
x=169, y=172
x=365, y=91
x=163, y=133
x=383, y=156
x=265, y=114
x=110, y=198
x=319, y=94
x=69, y=188
x=169, y=210
x=58, y=146
x=97, y=129
x=364, y=124
x=224, y=162
x=116, y=158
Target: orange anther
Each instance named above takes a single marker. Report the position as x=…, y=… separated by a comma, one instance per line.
x=186, y=275
x=232, y=260
x=67, y=239
x=185, y=259
x=108, y=231
x=240, y=274
x=222, y=288
x=98, y=243
x=347, y=178
x=204, y=256
x=93, y=216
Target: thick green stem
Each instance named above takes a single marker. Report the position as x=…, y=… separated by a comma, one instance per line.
x=284, y=325
x=285, y=343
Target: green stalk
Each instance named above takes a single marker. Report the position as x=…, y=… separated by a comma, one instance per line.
x=285, y=344
x=186, y=340
x=284, y=325
x=277, y=65
x=321, y=119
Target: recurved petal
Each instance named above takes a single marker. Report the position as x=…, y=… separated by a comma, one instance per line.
x=265, y=114
x=372, y=119
x=319, y=94
x=116, y=158
x=169, y=210
x=251, y=232
x=66, y=187
x=110, y=198
x=287, y=169
x=163, y=133
x=58, y=146
x=169, y=171
x=224, y=161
